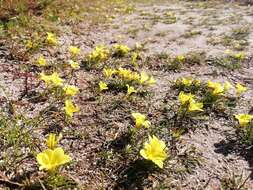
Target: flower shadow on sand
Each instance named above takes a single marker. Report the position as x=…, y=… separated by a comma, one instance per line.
x=232, y=145
x=135, y=176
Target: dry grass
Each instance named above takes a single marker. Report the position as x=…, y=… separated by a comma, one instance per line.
x=11, y=8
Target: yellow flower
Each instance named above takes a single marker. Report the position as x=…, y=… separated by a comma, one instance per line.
x=240, y=55
x=154, y=150
x=51, y=38
x=121, y=50
x=74, y=64
x=211, y=84
x=130, y=90
x=56, y=80
x=102, y=86
x=134, y=58
x=124, y=73
x=45, y=78
x=134, y=76
x=180, y=58
x=109, y=72
x=197, y=82
x=195, y=106
x=51, y=159
x=186, y=82
x=52, y=140
x=216, y=87
x=29, y=44
x=240, y=89
x=42, y=61
x=52, y=79
x=74, y=51
x=227, y=86
x=244, y=119
x=143, y=77
x=185, y=98
x=71, y=90
x=140, y=120
x=70, y=108
x=100, y=53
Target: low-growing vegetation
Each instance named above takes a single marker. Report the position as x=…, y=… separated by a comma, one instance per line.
x=125, y=95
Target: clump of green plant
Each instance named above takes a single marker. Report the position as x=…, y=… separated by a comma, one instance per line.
x=219, y=96
x=175, y=63
x=187, y=84
x=190, y=106
x=169, y=17
x=237, y=39
x=195, y=57
x=179, y=61
x=230, y=61
x=192, y=33
x=234, y=181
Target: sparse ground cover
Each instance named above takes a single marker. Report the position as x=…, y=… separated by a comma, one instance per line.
x=126, y=95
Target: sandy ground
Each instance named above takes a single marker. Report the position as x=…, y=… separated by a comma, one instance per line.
x=199, y=27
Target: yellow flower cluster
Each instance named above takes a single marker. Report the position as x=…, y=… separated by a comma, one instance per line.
x=70, y=90
x=99, y=54
x=121, y=50
x=74, y=52
x=128, y=76
x=219, y=89
x=53, y=157
x=108, y=73
x=29, y=44
x=216, y=88
x=52, y=80
x=239, y=56
x=187, y=100
x=142, y=78
x=187, y=82
x=154, y=150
